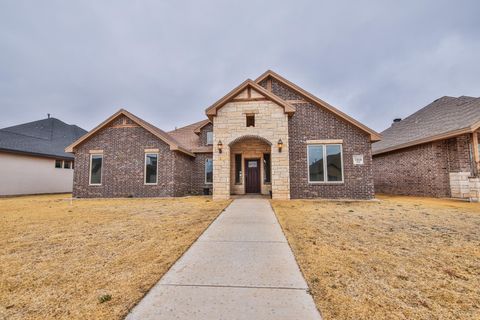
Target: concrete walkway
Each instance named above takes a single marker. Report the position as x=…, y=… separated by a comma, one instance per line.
x=240, y=268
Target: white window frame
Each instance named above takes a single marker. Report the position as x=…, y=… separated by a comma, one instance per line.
x=211, y=142
x=205, y=171
x=325, y=172
x=90, y=170
x=145, y=170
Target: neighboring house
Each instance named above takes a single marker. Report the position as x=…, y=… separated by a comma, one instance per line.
x=433, y=152
x=265, y=136
x=33, y=160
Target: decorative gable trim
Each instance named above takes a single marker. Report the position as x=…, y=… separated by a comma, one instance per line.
x=269, y=74
x=212, y=110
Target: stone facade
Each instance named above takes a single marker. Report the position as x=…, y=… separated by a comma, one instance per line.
x=271, y=124
x=439, y=169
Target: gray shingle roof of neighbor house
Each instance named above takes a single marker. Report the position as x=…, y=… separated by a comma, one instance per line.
x=443, y=118
x=46, y=137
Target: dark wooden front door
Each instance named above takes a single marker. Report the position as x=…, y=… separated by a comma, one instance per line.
x=252, y=176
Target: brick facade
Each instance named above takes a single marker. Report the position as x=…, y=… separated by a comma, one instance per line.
x=123, y=164
x=429, y=169
x=311, y=122
x=198, y=174
x=181, y=171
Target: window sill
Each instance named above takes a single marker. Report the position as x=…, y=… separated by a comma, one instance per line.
x=150, y=184
x=327, y=182
x=95, y=185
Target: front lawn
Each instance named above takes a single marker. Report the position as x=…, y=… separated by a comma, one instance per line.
x=400, y=258
x=91, y=259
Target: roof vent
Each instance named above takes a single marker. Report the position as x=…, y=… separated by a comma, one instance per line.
x=396, y=120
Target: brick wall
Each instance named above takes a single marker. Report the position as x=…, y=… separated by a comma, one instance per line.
x=420, y=170
x=311, y=122
x=203, y=133
x=198, y=173
x=123, y=164
x=436, y=169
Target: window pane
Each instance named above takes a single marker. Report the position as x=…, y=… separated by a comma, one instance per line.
x=151, y=168
x=266, y=167
x=96, y=169
x=58, y=163
x=209, y=138
x=334, y=163
x=209, y=171
x=238, y=168
x=251, y=121
x=66, y=164
x=315, y=163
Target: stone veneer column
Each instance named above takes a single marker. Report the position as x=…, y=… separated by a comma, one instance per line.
x=221, y=171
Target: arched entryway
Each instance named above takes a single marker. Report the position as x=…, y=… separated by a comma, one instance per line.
x=250, y=165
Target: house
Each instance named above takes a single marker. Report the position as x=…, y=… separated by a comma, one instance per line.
x=265, y=136
x=33, y=159
x=433, y=152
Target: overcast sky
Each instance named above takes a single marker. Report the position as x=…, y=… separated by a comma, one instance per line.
x=166, y=61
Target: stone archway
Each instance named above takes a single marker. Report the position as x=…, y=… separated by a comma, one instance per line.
x=250, y=165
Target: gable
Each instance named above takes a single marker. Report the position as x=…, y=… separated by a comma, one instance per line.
x=292, y=93
x=123, y=118
x=244, y=92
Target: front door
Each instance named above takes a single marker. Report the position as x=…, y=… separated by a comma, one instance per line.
x=252, y=176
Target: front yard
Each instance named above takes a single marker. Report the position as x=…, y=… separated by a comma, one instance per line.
x=400, y=258
x=91, y=259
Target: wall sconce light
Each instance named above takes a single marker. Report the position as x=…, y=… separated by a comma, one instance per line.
x=220, y=146
x=280, y=145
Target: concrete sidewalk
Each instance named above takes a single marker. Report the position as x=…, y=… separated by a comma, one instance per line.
x=240, y=268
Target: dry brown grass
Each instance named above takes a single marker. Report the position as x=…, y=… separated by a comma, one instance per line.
x=400, y=258
x=57, y=258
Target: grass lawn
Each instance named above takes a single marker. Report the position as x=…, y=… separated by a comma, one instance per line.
x=400, y=258
x=60, y=259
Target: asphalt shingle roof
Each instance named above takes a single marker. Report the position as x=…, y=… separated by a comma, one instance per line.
x=443, y=116
x=47, y=137
x=187, y=136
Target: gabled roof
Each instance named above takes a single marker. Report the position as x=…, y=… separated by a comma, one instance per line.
x=189, y=138
x=201, y=124
x=162, y=135
x=443, y=118
x=212, y=110
x=46, y=137
x=374, y=136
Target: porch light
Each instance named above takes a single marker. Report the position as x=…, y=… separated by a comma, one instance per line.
x=280, y=145
x=220, y=146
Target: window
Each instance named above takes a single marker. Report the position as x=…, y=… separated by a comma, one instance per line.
x=58, y=164
x=209, y=138
x=325, y=163
x=250, y=120
x=238, y=169
x=66, y=164
x=73, y=162
x=266, y=168
x=209, y=171
x=96, y=169
x=151, y=168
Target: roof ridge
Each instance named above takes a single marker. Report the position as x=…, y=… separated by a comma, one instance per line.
x=24, y=135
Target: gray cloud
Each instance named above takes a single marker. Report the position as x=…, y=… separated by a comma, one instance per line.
x=166, y=61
